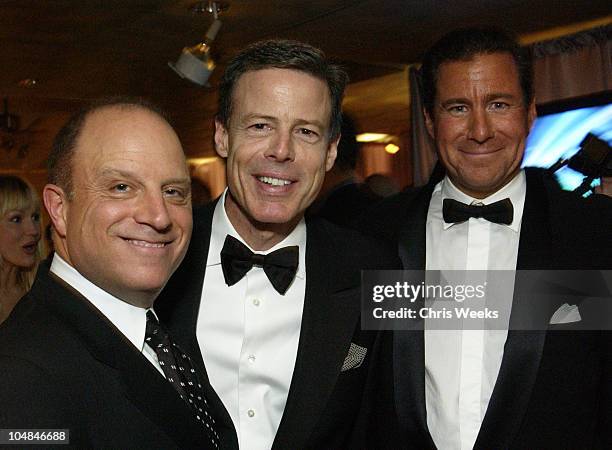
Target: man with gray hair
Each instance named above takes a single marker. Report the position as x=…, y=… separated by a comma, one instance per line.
x=270, y=299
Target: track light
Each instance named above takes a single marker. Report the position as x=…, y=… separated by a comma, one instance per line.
x=196, y=63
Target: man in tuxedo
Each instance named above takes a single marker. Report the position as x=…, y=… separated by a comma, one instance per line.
x=517, y=389
x=273, y=300
x=84, y=351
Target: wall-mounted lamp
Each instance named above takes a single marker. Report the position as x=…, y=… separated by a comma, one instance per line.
x=196, y=63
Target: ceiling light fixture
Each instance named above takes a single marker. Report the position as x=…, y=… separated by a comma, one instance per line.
x=196, y=63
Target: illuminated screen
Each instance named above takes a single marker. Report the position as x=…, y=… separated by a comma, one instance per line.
x=555, y=136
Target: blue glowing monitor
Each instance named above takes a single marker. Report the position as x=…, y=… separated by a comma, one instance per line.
x=558, y=135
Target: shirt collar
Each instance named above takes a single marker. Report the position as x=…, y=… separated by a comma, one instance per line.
x=129, y=319
x=221, y=227
x=515, y=190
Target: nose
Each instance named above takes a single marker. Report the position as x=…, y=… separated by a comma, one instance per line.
x=152, y=210
x=33, y=228
x=282, y=147
x=481, y=128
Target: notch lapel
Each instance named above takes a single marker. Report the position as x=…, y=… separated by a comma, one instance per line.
x=180, y=313
x=143, y=385
x=331, y=313
x=523, y=349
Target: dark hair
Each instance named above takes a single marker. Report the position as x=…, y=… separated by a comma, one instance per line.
x=463, y=45
x=60, y=162
x=348, y=147
x=284, y=54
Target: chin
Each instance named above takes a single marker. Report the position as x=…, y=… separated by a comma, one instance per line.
x=148, y=283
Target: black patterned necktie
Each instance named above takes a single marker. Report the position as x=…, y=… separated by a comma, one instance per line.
x=180, y=373
x=499, y=212
x=280, y=265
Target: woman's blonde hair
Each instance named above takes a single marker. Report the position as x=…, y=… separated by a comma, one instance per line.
x=16, y=193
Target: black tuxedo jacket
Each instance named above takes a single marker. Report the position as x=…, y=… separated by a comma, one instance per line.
x=64, y=365
x=554, y=389
x=323, y=402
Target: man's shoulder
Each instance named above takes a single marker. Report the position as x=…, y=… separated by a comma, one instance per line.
x=386, y=217
x=34, y=332
x=352, y=245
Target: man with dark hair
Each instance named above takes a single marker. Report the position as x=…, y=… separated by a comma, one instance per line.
x=478, y=388
x=83, y=354
x=272, y=300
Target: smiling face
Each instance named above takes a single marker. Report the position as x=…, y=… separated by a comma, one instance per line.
x=128, y=223
x=277, y=148
x=19, y=236
x=480, y=122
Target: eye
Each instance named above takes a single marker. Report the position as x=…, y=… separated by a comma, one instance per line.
x=176, y=194
x=260, y=127
x=121, y=187
x=457, y=110
x=308, y=134
x=172, y=192
x=36, y=217
x=16, y=218
x=498, y=106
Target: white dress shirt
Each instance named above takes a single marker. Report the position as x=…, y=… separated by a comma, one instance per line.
x=461, y=366
x=130, y=320
x=248, y=334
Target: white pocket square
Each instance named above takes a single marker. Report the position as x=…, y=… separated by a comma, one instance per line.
x=565, y=314
x=356, y=356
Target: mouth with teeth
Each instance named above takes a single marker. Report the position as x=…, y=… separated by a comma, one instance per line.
x=29, y=249
x=274, y=181
x=146, y=244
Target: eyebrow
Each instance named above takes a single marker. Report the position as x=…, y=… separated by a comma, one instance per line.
x=252, y=116
x=108, y=172
x=489, y=97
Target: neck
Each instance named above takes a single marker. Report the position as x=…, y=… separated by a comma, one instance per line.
x=259, y=236
x=9, y=275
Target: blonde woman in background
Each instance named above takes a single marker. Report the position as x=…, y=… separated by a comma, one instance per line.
x=21, y=248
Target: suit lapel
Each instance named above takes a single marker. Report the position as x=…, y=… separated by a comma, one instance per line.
x=143, y=385
x=411, y=236
x=322, y=348
x=523, y=349
x=409, y=346
x=181, y=313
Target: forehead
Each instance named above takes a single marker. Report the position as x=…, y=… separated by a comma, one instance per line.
x=130, y=136
x=491, y=72
x=297, y=92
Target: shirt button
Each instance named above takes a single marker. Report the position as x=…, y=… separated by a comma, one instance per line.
x=251, y=413
x=256, y=302
x=251, y=358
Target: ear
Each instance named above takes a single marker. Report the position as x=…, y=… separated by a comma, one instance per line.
x=531, y=114
x=221, y=139
x=332, y=153
x=429, y=123
x=56, y=203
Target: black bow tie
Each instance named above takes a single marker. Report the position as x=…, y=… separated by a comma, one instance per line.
x=280, y=266
x=498, y=212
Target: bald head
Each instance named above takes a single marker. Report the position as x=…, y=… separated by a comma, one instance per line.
x=125, y=223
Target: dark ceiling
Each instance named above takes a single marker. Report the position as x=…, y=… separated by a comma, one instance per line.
x=79, y=50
